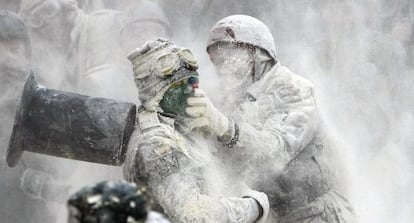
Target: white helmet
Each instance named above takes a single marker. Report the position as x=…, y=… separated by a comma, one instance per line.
x=243, y=29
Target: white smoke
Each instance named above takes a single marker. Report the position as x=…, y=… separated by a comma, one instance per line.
x=359, y=56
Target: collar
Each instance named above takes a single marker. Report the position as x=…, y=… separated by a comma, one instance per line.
x=253, y=91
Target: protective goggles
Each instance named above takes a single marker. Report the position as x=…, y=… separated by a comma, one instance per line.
x=191, y=82
x=169, y=63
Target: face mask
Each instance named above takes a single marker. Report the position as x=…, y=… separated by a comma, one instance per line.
x=232, y=61
x=174, y=100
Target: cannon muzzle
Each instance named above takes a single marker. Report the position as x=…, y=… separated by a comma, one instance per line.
x=70, y=125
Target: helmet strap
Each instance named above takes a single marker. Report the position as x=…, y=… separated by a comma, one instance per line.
x=256, y=65
x=262, y=63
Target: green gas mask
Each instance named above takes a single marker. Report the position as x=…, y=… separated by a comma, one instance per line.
x=174, y=100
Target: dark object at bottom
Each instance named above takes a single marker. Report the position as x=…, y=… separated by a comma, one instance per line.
x=109, y=202
x=70, y=125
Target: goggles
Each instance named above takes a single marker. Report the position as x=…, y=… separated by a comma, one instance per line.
x=169, y=63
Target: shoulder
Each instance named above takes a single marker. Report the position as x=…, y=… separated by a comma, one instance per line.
x=281, y=78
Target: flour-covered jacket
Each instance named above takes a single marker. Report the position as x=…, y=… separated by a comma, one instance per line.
x=167, y=161
x=280, y=148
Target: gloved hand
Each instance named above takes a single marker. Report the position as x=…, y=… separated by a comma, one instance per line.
x=252, y=207
x=151, y=155
x=205, y=115
x=262, y=202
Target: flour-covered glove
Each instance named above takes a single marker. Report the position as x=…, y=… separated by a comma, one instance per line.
x=262, y=202
x=151, y=155
x=150, y=149
x=205, y=115
x=252, y=207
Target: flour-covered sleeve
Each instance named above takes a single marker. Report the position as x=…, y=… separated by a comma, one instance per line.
x=177, y=186
x=288, y=127
x=183, y=201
